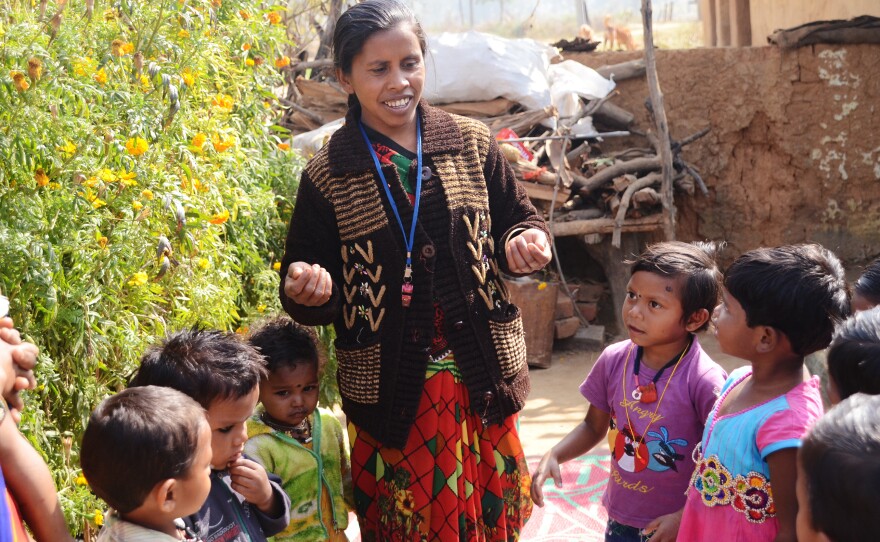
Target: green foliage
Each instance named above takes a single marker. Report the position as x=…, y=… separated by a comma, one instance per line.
x=119, y=129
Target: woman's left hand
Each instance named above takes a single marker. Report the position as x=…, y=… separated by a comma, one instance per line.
x=528, y=252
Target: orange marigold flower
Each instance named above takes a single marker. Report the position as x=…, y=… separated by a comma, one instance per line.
x=68, y=148
x=19, y=81
x=282, y=61
x=223, y=101
x=220, y=218
x=136, y=146
x=244, y=14
x=216, y=3
x=116, y=47
x=147, y=194
x=198, y=141
x=249, y=62
x=136, y=205
x=189, y=78
x=245, y=46
x=128, y=48
x=222, y=142
x=276, y=266
x=183, y=33
x=101, y=76
x=284, y=146
x=41, y=177
x=273, y=17
x=35, y=68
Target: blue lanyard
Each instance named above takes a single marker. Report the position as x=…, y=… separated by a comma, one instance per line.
x=407, y=275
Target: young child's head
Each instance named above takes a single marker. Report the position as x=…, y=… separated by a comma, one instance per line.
x=854, y=357
x=147, y=452
x=838, y=485
x=378, y=52
x=866, y=290
x=673, y=288
x=290, y=391
x=793, y=293
x=217, y=369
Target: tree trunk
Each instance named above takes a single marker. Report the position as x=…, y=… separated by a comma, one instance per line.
x=326, y=43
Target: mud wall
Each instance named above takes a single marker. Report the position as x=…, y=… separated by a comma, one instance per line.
x=794, y=151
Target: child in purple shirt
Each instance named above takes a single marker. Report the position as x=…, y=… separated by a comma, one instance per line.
x=654, y=391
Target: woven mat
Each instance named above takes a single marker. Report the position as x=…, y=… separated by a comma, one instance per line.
x=572, y=513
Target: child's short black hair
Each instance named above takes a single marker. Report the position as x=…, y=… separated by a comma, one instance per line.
x=137, y=439
x=285, y=343
x=854, y=355
x=868, y=285
x=839, y=458
x=799, y=290
x=694, y=265
x=206, y=365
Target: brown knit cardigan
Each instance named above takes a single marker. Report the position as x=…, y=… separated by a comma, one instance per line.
x=470, y=205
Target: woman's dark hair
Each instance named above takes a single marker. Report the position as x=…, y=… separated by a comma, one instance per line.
x=358, y=23
x=136, y=439
x=868, y=285
x=854, y=355
x=285, y=343
x=799, y=290
x=691, y=263
x=839, y=460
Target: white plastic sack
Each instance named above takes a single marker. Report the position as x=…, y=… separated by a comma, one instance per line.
x=570, y=79
x=472, y=66
x=310, y=143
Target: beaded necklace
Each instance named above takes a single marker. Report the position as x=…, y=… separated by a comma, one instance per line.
x=636, y=442
x=301, y=432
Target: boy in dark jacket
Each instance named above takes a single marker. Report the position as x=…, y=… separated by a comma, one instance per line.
x=222, y=373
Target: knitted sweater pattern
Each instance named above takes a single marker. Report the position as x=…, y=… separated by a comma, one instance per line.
x=471, y=204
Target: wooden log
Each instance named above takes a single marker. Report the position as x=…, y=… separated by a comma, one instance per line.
x=521, y=123
x=613, y=116
x=606, y=225
x=624, y=70
x=608, y=174
x=543, y=192
x=321, y=94
x=645, y=181
x=488, y=108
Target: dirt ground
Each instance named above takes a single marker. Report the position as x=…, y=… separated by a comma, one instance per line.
x=555, y=405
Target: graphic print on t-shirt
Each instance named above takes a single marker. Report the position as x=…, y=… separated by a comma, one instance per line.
x=634, y=452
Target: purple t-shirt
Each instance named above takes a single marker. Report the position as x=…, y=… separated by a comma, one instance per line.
x=651, y=443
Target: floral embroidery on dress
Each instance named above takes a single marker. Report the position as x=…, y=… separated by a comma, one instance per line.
x=754, y=498
x=750, y=495
x=713, y=482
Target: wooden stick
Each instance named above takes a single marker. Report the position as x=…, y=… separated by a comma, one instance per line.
x=624, y=70
x=656, y=97
x=321, y=64
x=605, y=225
x=608, y=174
x=645, y=181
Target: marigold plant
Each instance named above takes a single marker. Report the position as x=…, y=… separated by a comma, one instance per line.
x=118, y=223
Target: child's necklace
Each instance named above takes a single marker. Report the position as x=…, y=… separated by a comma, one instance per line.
x=637, y=440
x=648, y=392
x=301, y=432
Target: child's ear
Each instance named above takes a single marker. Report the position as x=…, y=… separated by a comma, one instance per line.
x=163, y=495
x=768, y=339
x=344, y=81
x=696, y=320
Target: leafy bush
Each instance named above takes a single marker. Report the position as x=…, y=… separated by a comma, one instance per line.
x=144, y=187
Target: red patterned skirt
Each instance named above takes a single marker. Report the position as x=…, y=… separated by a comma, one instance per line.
x=454, y=479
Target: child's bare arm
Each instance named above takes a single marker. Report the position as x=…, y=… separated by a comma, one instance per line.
x=783, y=476
x=31, y=485
x=579, y=441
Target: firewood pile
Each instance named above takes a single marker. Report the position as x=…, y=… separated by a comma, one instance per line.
x=588, y=185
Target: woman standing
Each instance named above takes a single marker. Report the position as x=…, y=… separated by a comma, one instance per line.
x=402, y=225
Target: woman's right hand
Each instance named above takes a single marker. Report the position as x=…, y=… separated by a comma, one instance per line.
x=308, y=284
x=549, y=466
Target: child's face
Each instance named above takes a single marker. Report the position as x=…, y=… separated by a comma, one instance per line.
x=652, y=311
x=387, y=77
x=227, y=419
x=291, y=394
x=193, y=488
x=733, y=333
x=805, y=530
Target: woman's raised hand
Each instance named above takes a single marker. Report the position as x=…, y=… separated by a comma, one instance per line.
x=308, y=284
x=528, y=251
